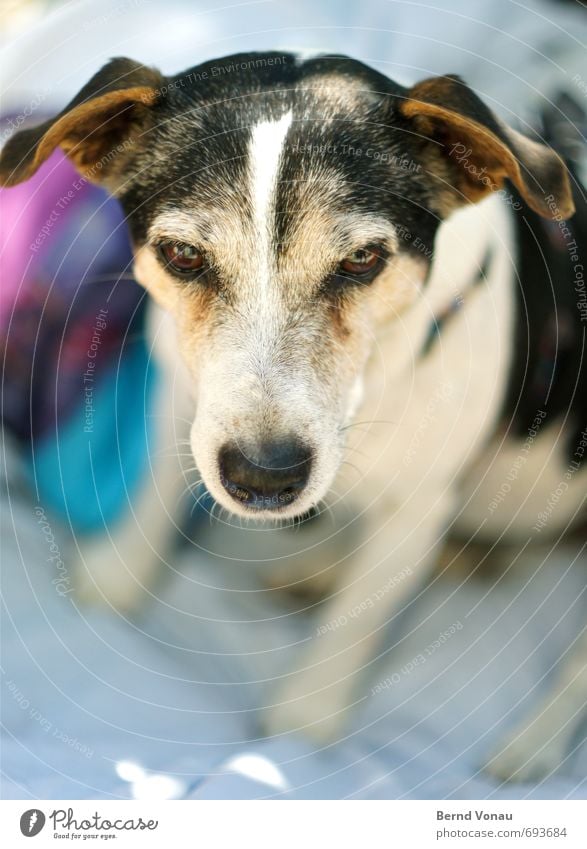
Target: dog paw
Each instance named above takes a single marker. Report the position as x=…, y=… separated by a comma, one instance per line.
x=317, y=716
x=528, y=756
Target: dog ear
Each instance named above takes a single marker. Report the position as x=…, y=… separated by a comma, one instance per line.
x=474, y=152
x=99, y=123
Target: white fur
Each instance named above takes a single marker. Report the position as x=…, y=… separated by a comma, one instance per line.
x=267, y=140
x=410, y=491
x=120, y=566
x=508, y=492
x=441, y=411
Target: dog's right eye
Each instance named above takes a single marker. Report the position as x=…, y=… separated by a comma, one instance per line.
x=361, y=262
x=180, y=258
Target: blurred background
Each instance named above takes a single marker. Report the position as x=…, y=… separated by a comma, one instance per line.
x=514, y=54
x=163, y=705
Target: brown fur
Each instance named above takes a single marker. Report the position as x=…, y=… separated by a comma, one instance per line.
x=494, y=153
x=93, y=130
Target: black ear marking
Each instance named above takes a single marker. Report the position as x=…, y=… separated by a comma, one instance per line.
x=100, y=119
x=480, y=152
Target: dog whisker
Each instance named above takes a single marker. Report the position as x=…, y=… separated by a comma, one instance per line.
x=366, y=424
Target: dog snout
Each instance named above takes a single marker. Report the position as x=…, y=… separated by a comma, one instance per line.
x=270, y=477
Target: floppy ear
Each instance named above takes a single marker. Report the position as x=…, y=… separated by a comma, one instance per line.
x=98, y=124
x=475, y=152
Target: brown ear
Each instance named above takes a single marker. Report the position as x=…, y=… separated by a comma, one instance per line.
x=98, y=125
x=475, y=152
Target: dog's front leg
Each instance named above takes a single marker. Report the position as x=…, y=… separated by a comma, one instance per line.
x=120, y=565
x=398, y=552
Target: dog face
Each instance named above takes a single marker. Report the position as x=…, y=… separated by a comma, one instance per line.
x=280, y=210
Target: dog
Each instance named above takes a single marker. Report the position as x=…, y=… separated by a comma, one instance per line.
x=322, y=244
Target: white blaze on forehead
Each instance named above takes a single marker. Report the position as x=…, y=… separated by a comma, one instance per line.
x=266, y=145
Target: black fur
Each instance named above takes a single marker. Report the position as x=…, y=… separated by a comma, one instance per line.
x=352, y=143
x=549, y=370
x=202, y=131
x=203, y=126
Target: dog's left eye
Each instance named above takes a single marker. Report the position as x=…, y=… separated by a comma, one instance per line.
x=180, y=258
x=361, y=262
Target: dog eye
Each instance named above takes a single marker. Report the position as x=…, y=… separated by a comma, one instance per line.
x=361, y=262
x=180, y=258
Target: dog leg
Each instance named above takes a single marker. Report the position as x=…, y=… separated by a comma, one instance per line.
x=538, y=746
x=317, y=696
x=118, y=566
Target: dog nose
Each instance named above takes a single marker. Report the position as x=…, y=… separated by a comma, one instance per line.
x=270, y=477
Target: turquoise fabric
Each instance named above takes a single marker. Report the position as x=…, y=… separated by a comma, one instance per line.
x=88, y=469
